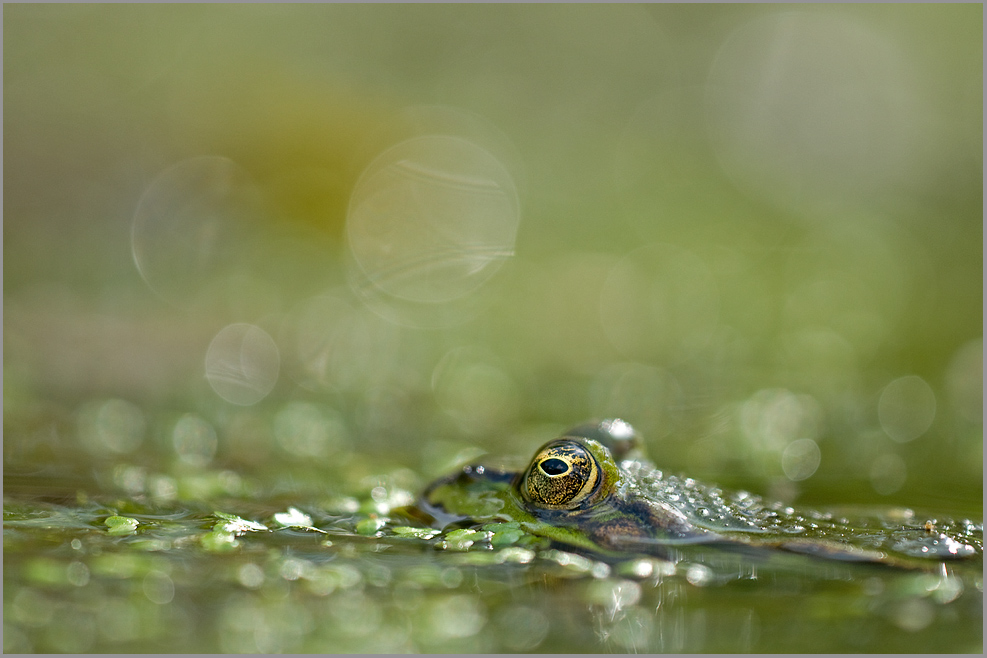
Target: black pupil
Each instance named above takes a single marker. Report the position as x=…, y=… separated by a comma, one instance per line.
x=554, y=466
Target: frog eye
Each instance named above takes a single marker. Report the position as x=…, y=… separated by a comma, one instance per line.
x=561, y=476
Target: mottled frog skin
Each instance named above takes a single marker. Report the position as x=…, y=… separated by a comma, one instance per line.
x=592, y=489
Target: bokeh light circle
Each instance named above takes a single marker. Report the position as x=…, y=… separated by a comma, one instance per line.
x=308, y=431
x=888, y=473
x=111, y=426
x=432, y=219
x=800, y=459
x=194, y=440
x=191, y=226
x=906, y=408
x=242, y=364
x=807, y=107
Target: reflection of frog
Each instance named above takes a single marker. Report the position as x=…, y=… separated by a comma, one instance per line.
x=593, y=489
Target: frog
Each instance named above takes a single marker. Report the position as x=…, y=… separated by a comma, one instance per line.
x=593, y=490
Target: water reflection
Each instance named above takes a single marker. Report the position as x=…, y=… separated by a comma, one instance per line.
x=522, y=627
x=457, y=616
x=158, y=587
x=351, y=596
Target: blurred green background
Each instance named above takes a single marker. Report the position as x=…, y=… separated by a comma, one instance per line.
x=306, y=244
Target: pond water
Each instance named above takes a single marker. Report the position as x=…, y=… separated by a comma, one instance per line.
x=345, y=574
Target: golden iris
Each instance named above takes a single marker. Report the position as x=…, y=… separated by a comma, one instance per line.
x=561, y=476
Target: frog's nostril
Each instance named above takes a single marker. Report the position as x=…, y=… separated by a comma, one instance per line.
x=554, y=466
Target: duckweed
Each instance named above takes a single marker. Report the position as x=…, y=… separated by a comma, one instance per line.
x=371, y=527
x=504, y=534
x=219, y=541
x=417, y=533
x=464, y=539
x=120, y=526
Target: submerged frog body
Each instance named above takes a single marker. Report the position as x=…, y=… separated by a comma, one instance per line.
x=593, y=489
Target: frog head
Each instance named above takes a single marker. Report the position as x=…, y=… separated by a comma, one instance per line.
x=575, y=491
x=592, y=489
